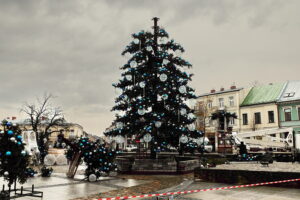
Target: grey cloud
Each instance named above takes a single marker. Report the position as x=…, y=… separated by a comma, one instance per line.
x=256, y=12
x=72, y=48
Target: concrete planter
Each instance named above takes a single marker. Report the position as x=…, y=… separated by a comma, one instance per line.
x=166, y=165
x=162, y=165
x=187, y=166
x=245, y=176
x=124, y=164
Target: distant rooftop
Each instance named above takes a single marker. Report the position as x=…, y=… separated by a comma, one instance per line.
x=213, y=92
x=291, y=92
x=264, y=94
x=43, y=122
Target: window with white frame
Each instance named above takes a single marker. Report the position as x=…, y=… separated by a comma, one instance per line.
x=221, y=102
x=231, y=101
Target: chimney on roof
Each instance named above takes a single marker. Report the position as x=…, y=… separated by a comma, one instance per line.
x=233, y=87
x=222, y=89
x=212, y=91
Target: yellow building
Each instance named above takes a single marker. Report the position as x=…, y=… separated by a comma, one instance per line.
x=259, y=108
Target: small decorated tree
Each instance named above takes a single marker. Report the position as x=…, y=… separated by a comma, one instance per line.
x=98, y=158
x=13, y=157
x=223, y=118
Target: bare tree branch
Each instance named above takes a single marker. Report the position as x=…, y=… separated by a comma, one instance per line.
x=42, y=117
x=41, y=113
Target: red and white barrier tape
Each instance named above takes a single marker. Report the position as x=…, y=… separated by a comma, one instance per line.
x=202, y=190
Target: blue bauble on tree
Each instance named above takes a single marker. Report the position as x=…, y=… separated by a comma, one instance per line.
x=10, y=132
x=8, y=153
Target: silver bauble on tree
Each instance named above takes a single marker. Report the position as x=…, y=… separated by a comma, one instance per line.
x=136, y=41
x=128, y=77
x=133, y=64
x=147, y=137
x=158, y=124
x=183, y=111
x=141, y=111
x=149, y=48
x=182, y=89
x=178, y=53
x=142, y=84
x=163, y=40
x=119, y=125
x=163, y=77
x=183, y=139
x=165, y=61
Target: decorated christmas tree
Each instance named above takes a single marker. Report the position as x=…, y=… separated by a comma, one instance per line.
x=98, y=158
x=154, y=92
x=13, y=157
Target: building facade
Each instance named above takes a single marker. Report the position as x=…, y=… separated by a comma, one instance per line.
x=289, y=109
x=259, y=108
x=209, y=103
x=70, y=130
x=266, y=114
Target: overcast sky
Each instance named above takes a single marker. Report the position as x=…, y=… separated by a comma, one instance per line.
x=72, y=48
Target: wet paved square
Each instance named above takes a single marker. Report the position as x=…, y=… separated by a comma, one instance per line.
x=59, y=187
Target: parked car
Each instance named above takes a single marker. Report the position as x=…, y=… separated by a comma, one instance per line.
x=131, y=148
